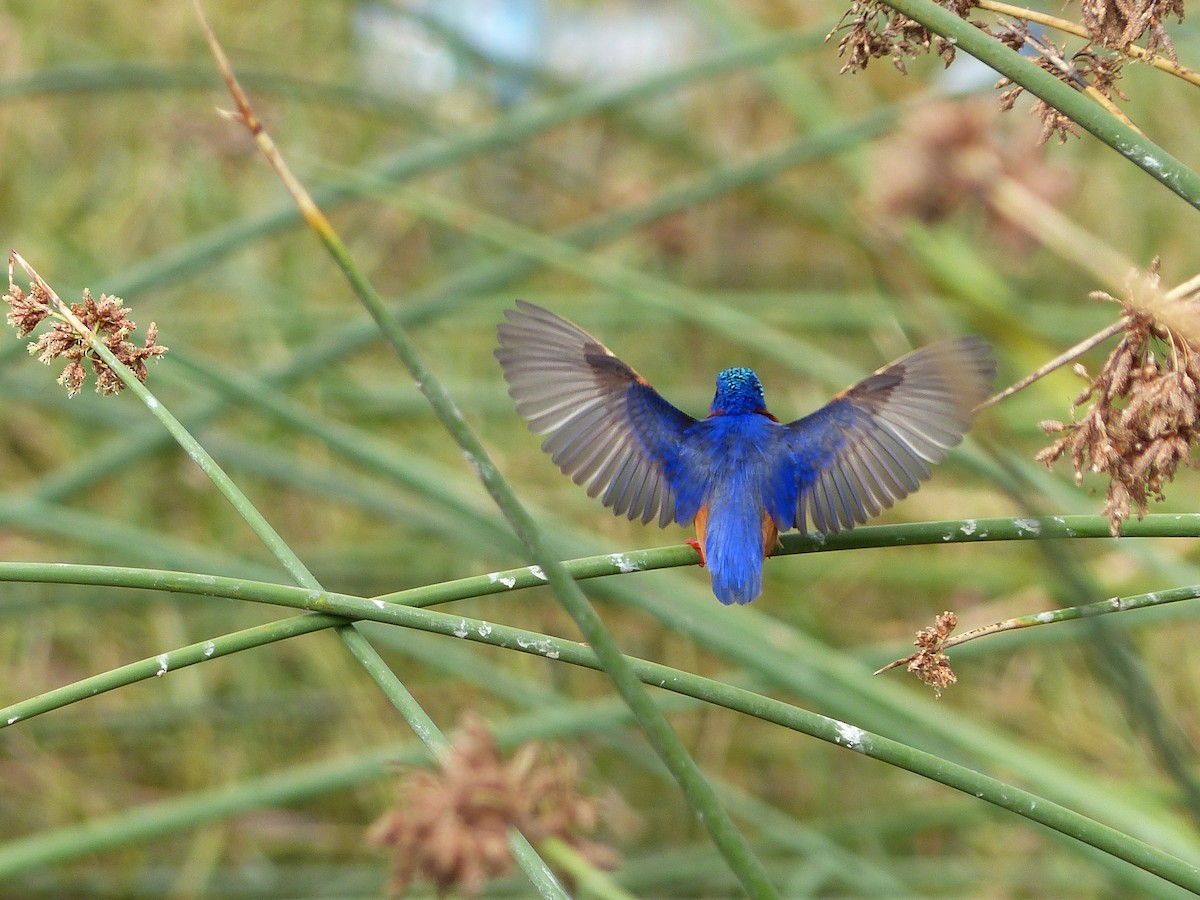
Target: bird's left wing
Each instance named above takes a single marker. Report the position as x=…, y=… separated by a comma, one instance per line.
x=607, y=427
x=871, y=445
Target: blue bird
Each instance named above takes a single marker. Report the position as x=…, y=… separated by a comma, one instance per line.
x=739, y=475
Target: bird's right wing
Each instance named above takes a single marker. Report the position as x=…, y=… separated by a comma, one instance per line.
x=608, y=428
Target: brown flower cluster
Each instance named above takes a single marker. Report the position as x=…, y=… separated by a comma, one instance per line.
x=952, y=154
x=875, y=30
x=1118, y=23
x=930, y=662
x=1144, y=404
x=452, y=825
x=107, y=318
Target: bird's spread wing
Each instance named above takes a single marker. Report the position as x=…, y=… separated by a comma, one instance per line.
x=871, y=444
x=607, y=427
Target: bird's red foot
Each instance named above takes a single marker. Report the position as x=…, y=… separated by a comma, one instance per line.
x=695, y=545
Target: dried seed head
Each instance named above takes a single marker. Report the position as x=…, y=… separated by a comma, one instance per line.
x=1118, y=23
x=451, y=825
x=26, y=311
x=874, y=31
x=1144, y=406
x=107, y=318
x=930, y=662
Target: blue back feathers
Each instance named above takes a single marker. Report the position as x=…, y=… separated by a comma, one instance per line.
x=738, y=392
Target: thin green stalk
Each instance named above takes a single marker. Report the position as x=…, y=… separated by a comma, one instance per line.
x=406, y=609
x=698, y=792
x=1138, y=149
x=1159, y=525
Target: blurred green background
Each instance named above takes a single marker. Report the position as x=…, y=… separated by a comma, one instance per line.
x=694, y=183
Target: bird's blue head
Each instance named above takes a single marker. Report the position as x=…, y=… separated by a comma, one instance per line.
x=738, y=392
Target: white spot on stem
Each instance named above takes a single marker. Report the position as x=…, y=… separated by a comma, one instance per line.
x=850, y=736
x=624, y=564
x=507, y=580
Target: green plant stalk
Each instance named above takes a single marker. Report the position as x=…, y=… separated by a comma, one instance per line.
x=405, y=609
x=399, y=695
x=675, y=555
x=1142, y=152
x=1031, y=806
x=699, y=793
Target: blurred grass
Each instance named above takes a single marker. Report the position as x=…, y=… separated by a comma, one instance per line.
x=146, y=192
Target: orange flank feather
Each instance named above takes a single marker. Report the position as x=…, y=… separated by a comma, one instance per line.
x=770, y=533
x=701, y=527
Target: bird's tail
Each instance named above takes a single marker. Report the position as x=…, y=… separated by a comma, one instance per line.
x=733, y=549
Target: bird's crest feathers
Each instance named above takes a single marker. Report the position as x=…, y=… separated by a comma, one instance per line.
x=739, y=391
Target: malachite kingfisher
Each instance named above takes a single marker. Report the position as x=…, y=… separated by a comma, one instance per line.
x=740, y=475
